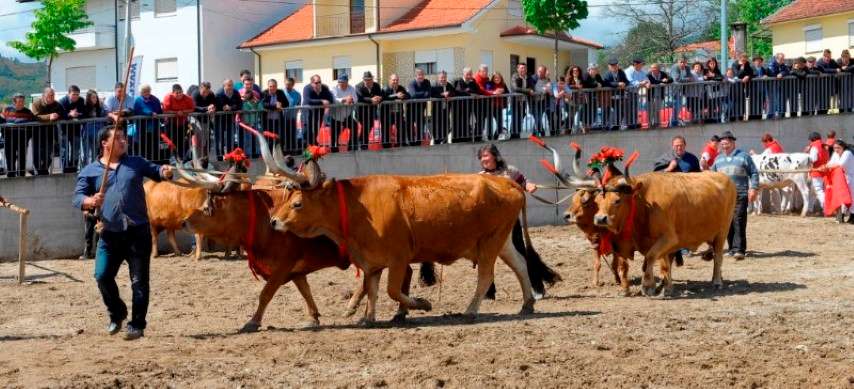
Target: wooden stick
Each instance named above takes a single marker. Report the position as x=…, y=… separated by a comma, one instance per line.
x=22, y=247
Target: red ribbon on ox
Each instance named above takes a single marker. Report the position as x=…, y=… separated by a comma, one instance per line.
x=254, y=266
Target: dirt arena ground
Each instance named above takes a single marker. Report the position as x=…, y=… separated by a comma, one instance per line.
x=784, y=319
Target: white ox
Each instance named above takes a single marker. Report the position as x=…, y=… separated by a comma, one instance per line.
x=783, y=184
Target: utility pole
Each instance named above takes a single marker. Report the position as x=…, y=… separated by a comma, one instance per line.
x=724, y=38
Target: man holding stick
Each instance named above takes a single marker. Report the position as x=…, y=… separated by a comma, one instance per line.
x=126, y=234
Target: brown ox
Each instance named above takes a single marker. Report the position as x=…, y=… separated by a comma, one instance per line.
x=397, y=220
x=581, y=213
x=168, y=207
x=671, y=211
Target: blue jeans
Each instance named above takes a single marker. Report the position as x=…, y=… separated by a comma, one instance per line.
x=133, y=246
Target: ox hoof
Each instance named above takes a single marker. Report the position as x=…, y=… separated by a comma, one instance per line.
x=649, y=291
x=718, y=285
x=350, y=312
x=422, y=304
x=250, y=327
x=399, y=318
x=310, y=324
x=625, y=293
x=366, y=323
x=527, y=308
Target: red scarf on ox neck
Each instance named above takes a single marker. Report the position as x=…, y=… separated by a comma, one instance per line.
x=344, y=216
x=605, y=240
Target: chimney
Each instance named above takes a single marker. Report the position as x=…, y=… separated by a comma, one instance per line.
x=739, y=37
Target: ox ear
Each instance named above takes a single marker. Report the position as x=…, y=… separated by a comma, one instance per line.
x=265, y=198
x=636, y=187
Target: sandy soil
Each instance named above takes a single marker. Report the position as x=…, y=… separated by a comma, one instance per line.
x=784, y=319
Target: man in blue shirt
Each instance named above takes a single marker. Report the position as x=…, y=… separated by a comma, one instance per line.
x=126, y=235
x=294, y=100
x=678, y=160
x=740, y=168
x=147, y=104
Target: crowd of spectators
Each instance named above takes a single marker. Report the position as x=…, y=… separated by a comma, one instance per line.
x=479, y=105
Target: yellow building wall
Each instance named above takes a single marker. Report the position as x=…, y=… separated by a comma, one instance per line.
x=332, y=17
x=789, y=39
x=318, y=60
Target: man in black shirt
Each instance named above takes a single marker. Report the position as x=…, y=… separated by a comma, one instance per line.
x=391, y=113
x=74, y=108
x=369, y=95
x=465, y=108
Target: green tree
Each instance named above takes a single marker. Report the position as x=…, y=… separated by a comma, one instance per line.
x=556, y=16
x=752, y=12
x=53, y=22
x=645, y=40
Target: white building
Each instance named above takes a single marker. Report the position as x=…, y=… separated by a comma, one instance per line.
x=180, y=41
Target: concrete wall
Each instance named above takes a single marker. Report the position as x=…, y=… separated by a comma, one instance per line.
x=56, y=228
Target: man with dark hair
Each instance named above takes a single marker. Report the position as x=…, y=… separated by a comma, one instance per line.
x=48, y=111
x=246, y=79
x=291, y=143
x=779, y=95
x=16, y=138
x=274, y=102
x=228, y=101
x=126, y=235
x=740, y=168
x=522, y=83
x=111, y=105
x=419, y=89
x=181, y=106
x=318, y=97
x=74, y=108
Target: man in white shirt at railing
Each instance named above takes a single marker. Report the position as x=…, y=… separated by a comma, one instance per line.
x=636, y=75
x=342, y=113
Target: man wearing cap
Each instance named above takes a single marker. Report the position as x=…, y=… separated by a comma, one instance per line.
x=370, y=95
x=740, y=168
x=615, y=78
x=16, y=138
x=342, y=115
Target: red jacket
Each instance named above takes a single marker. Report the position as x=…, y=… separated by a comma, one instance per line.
x=774, y=147
x=712, y=151
x=823, y=157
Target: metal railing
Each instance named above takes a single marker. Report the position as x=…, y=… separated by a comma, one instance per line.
x=49, y=147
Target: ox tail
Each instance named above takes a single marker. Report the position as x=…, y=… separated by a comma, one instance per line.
x=427, y=273
x=538, y=271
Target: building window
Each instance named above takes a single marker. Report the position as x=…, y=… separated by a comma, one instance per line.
x=812, y=37
x=434, y=61
x=341, y=65
x=357, y=16
x=851, y=33
x=514, y=62
x=293, y=69
x=134, y=10
x=166, y=69
x=164, y=8
x=82, y=76
x=531, y=64
x=427, y=67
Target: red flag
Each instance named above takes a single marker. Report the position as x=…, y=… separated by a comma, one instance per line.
x=836, y=191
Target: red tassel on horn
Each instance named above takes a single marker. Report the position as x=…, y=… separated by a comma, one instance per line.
x=168, y=141
x=575, y=146
x=632, y=159
x=537, y=141
x=548, y=165
x=271, y=135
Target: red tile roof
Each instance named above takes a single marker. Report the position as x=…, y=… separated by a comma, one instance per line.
x=437, y=14
x=298, y=26
x=707, y=46
x=802, y=9
x=528, y=31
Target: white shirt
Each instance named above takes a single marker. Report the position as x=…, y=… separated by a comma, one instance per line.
x=341, y=112
x=813, y=154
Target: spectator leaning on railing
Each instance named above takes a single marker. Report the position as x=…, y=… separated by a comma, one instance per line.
x=419, y=88
x=342, y=115
x=148, y=105
x=180, y=105
x=614, y=78
x=393, y=119
x=111, y=104
x=94, y=110
x=370, y=95
x=467, y=86
x=293, y=145
x=75, y=108
x=319, y=97
x=49, y=112
x=443, y=109
x=274, y=101
x=228, y=100
x=522, y=83
x=16, y=138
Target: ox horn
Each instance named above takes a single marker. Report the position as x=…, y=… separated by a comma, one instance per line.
x=209, y=185
x=271, y=163
x=194, y=142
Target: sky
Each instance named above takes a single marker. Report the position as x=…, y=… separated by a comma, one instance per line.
x=15, y=19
